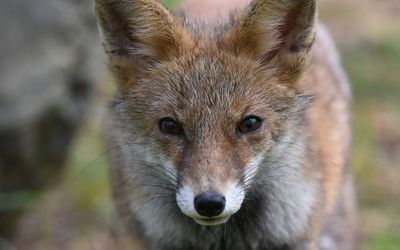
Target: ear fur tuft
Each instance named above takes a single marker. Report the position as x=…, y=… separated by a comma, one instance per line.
x=278, y=32
x=138, y=33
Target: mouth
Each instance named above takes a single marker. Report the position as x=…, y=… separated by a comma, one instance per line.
x=211, y=221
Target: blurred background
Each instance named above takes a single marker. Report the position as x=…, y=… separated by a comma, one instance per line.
x=54, y=187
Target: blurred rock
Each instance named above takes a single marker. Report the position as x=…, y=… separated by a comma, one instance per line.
x=50, y=60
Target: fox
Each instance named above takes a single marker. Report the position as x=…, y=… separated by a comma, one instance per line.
x=229, y=131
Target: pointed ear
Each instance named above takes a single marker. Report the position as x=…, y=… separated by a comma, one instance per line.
x=138, y=33
x=276, y=32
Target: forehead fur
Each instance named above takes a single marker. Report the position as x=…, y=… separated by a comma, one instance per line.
x=207, y=79
x=214, y=73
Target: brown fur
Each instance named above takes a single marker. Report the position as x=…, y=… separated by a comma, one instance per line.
x=260, y=63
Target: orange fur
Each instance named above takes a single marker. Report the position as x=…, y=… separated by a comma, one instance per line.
x=271, y=60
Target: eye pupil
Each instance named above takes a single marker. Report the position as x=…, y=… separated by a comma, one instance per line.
x=249, y=124
x=170, y=126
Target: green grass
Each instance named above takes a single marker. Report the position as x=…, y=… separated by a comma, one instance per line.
x=388, y=241
x=87, y=179
x=374, y=70
x=170, y=3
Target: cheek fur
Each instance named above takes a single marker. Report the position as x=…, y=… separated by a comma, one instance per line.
x=252, y=168
x=234, y=195
x=171, y=148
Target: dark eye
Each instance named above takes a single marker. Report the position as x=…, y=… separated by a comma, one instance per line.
x=249, y=124
x=170, y=126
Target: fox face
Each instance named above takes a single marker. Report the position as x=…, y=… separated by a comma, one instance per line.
x=213, y=129
x=208, y=119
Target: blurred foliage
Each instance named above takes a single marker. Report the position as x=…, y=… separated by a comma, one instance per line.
x=88, y=176
x=388, y=241
x=170, y=3
x=374, y=71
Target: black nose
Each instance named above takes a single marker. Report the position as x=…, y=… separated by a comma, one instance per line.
x=209, y=204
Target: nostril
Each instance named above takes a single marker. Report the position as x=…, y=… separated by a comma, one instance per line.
x=209, y=204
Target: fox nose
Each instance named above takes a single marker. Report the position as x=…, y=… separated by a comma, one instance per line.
x=209, y=204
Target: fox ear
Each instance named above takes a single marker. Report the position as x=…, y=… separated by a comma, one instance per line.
x=138, y=33
x=276, y=32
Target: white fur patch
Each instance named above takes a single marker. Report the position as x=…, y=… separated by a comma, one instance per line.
x=234, y=196
x=252, y=168
x=185, y=200
x=234, y=193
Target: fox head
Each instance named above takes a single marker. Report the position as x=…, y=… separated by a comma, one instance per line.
x=208, y=114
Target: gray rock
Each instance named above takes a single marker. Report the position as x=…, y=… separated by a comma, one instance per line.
x=50, y=61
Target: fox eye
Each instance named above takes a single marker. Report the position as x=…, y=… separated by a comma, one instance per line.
x=170, y=126
x=249, y=124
